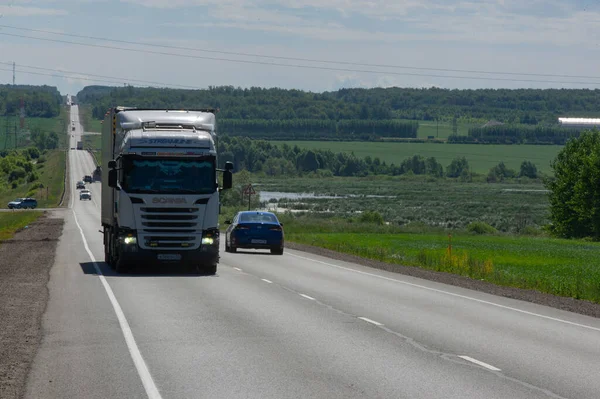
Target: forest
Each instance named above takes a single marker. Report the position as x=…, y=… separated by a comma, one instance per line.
x=39, y=101
x=523, y=106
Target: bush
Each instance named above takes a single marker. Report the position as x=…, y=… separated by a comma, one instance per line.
x=16, y=174
x=481, y=228
x=371, y=217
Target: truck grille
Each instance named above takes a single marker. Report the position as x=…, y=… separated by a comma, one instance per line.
x=169, y=228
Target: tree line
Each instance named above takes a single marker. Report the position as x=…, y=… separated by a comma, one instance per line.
x=39, y=101
x=318, y=129
x=528, y=106
x=261, y=156
x=506, y=134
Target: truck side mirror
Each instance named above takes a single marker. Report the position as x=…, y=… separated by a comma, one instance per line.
x=227, y=180
x=112, y=164
x=228, y=165
x=112, y=178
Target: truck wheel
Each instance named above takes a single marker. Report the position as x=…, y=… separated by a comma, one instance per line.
x=211, y=270
x=232, y=249
x=121, y=267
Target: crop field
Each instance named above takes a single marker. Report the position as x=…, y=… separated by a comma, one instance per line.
x=508, y=207
x=11, y=222
x=559, y=267
x=481, y=157
x=51, y=178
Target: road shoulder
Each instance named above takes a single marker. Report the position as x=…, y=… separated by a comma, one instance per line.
x=25, y=263
x=563, y=303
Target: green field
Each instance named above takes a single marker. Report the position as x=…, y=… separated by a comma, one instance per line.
x=51, y=177
x=89, y=124
x=11, y=222
x=559, y=267
x=58, y=125
x=481, y=157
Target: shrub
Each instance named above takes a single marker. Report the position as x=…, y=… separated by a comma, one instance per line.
x=481, y=228
x=371, y=217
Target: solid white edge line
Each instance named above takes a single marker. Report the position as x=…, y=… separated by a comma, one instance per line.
x=308, y=297
x=482, y=364
x=138, y=360
x=371, y=321
x=266, y=281
x=451, y=294
x=238, y=269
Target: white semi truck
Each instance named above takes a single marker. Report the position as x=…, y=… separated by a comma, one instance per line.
x=160, y=200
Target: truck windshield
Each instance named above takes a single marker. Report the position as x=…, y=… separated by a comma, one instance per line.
x=174, y=176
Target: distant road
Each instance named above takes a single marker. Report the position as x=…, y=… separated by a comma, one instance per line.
x=292, y=326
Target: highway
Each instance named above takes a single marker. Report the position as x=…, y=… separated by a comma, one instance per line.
x=291, y=326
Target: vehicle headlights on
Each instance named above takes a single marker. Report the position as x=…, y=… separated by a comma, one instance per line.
x=130, y=240
x=208, y=241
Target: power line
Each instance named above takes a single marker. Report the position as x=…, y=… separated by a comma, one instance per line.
x=115, y=78
x=64, y=76
x=301, y=59
x=300, y=66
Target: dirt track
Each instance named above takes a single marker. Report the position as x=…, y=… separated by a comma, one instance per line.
x=25, y=263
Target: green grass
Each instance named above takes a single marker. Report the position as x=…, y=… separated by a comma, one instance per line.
x=560, y=267
x=481, y=157
x=89, y=124
x=52, y=175
x=58, y=124
x=403, y=200
x=11, y=222
x=93, y=141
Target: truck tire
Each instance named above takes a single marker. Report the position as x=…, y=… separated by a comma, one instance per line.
x=210, y=270
x=121, y=267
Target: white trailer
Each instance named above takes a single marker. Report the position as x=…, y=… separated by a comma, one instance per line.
x=160, y=200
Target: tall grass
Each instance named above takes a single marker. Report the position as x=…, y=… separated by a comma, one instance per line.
x=560, y=267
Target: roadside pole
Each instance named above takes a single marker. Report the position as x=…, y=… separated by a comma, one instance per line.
x=249, y=191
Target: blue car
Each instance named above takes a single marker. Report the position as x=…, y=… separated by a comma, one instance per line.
x=254, y=230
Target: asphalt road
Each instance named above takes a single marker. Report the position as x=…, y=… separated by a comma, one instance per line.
x=292, y=326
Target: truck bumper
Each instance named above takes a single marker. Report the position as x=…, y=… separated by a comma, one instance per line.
x=206, y=255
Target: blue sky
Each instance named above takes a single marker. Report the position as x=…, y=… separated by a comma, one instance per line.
x=527, y=37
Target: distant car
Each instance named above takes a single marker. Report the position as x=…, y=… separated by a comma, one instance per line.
x=87, y=179
x=23, y=203
x=254, y=230
x=80, y=185
x=85, y=194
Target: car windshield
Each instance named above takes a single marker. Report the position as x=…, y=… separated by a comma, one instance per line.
x=176, y=176
x=258, y=218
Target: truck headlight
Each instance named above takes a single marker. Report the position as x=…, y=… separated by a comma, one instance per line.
x=130, y=240
x=207, y=241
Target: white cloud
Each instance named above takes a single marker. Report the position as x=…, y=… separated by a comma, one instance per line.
x=24, y=11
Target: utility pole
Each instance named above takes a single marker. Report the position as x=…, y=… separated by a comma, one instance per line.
x=14, y=65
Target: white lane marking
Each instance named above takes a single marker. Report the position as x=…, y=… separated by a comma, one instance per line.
x=371, y=321
x=138, y=360
x=308, y=297
x=451, y=294
x=482, y=364
x=238, y=269
x=266, y=281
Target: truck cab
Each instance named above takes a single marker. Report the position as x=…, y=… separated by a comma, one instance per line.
x=161, y=202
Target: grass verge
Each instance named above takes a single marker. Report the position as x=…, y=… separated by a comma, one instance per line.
x=560, y=267
x=11, y=222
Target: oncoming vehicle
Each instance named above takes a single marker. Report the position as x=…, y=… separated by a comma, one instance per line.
x=85, y=194
x=87, y=179
x=80, y=185
x=254, y=230
x=23, y=203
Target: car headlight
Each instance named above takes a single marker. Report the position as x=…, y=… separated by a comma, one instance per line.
x=207, y=241
x=129, y=240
